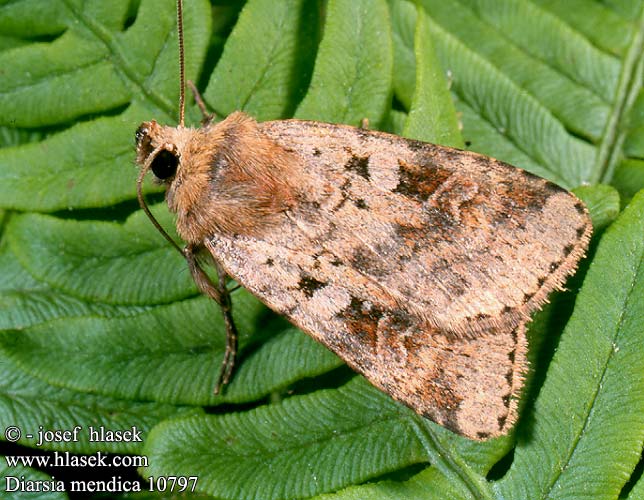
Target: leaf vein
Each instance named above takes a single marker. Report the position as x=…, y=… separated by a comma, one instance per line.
x=120, y=61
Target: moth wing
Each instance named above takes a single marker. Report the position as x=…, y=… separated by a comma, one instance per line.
x=468, y=385
x=464, y=241
x=416, y=264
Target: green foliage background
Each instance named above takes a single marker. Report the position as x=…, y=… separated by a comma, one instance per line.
x=101, y=325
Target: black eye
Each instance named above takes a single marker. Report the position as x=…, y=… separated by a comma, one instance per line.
x=165, y=164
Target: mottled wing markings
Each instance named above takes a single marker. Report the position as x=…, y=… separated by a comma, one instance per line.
x=425, y=293
x=451, y=382
x=467, y=244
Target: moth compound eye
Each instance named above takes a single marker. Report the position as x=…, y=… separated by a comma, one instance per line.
x=165, y=164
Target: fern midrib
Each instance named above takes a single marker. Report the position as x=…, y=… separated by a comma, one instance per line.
x=358, y=59
x=550, y=488
x=270, y=55
x=630, y=82
x=120, y=61
x=252, y=457
x=449, y=463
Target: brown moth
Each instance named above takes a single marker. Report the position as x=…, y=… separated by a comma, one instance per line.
x=419, y=265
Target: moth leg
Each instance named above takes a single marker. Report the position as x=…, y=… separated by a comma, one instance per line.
x=230, y=355
x=207, y=117
x=201, y=279
x=221, y=295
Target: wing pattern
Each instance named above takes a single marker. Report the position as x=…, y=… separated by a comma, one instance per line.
x=418, y=265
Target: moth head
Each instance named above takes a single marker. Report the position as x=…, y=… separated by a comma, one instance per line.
x=180, y=161
x=156, y=147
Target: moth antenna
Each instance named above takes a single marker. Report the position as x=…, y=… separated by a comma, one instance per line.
x=144, y=205
x=207, y=117
x=152, y=156
x=182, y=65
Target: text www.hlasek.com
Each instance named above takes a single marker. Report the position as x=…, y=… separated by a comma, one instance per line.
x=66, y=459
x=99, y=459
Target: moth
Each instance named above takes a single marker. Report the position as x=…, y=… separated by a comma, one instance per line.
x=418, y=264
